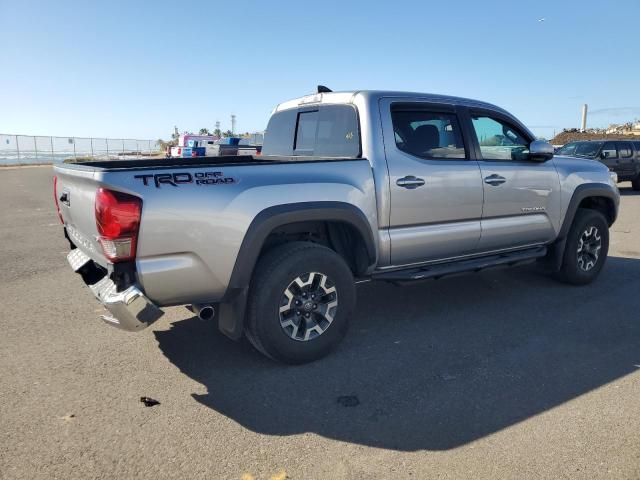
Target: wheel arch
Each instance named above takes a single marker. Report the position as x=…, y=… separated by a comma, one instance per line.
x=597, y=196
x=233, y=305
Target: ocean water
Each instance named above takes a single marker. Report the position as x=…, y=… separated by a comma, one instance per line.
x=31, y=158
x=26, y=158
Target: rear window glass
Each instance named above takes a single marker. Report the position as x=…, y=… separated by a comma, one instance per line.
x=278, y=139
x=329, y=131
x=338, y=133
x=306, y=132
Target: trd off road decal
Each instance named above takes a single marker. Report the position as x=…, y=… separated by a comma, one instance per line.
x=179, y=178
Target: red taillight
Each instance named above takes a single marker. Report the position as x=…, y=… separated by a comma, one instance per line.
x=118, y=220
x=55, y=198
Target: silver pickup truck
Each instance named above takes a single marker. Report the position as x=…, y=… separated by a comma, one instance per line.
x=350, y=187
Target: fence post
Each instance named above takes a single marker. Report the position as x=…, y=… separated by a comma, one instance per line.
x=17, y=148
x=35, y=147
x=91, y=139
x=106, y=142
x=74, y=147
x=123, y=148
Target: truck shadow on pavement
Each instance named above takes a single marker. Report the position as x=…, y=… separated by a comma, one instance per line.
x=433, y=365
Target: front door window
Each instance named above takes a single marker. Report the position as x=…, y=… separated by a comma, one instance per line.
x=499, y=140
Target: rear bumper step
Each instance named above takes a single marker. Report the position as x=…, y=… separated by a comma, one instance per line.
x=130, y=309
x=519, y=257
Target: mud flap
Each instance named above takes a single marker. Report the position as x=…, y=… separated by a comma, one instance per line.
x=231, y=314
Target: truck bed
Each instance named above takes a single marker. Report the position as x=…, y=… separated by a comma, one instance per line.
x=226, y=160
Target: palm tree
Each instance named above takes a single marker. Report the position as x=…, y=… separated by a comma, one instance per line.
x=204, y=131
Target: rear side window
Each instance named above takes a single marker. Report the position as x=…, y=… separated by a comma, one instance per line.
x=624, y=149
x=327, y=131
x=428, y=134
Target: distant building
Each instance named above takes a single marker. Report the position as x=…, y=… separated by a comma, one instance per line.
x=630, y=128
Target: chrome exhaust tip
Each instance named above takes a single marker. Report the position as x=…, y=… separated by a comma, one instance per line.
x=204, y=312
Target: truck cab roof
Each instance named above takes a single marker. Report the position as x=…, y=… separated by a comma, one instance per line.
x=374, y=95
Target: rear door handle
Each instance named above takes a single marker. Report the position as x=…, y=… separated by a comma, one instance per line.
x=410, y=182
x=494, y=180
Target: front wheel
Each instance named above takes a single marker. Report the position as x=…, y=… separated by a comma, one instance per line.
x=586, y=248
x=300, y=301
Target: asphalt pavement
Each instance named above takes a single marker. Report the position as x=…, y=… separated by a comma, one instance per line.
x=502, y=374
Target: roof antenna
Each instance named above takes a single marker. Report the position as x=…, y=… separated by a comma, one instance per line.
x=323, y=89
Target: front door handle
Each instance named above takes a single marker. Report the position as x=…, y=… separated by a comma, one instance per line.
x=494, y=180
x=410, y=182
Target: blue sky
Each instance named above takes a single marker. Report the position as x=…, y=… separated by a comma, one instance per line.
x=136, y=69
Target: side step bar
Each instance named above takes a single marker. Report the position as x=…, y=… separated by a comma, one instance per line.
x=519, y=257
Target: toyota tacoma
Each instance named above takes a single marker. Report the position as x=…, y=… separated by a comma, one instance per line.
x=350, y=187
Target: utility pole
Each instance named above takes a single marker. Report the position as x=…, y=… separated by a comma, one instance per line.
x=233, y=124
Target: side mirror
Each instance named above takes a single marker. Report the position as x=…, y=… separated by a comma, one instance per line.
x=604, y=155
x=540, y=151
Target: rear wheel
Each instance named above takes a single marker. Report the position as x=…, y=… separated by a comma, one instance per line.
x=586, y=248
x=301, y=298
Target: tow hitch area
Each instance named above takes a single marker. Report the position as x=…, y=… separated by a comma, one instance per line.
x=130, y=309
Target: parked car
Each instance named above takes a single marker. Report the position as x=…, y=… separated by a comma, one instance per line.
x=620, y=156
x=350, y=187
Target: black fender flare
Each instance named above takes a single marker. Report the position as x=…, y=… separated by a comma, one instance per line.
x=232, y=307
x=586, y=190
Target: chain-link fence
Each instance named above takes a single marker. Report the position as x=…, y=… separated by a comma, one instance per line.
x=27, y=149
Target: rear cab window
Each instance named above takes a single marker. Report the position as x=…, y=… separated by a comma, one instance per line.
x=315, y=131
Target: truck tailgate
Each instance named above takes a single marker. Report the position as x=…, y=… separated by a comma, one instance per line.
x=76, y=192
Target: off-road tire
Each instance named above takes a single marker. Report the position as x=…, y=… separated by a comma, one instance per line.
x=273, y=276
x=587, y=224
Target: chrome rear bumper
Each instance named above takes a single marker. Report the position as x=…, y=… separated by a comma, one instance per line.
x=130, y=309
